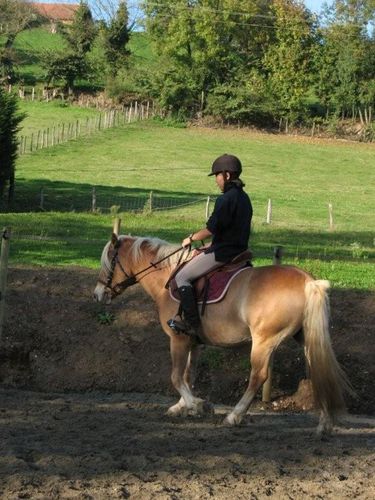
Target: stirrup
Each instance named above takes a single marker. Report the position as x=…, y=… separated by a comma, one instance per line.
x=176, y=326
x=182, y=327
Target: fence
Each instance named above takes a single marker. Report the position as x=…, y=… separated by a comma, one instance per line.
x=64, y=132
x=113, y=200
x=103, y=200
x=5, y=238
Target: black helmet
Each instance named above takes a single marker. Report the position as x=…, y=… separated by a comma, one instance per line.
x=226, y=163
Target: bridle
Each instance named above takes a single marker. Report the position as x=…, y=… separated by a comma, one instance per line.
x=130, y=279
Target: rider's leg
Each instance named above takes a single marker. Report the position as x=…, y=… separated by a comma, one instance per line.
x=198, y=266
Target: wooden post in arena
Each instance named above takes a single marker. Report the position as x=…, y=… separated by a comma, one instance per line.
x=207, y=207
x=3, y=273
x=267, y=386
x=116, y=226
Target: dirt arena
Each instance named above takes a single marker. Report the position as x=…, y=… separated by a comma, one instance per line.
x=84, y=391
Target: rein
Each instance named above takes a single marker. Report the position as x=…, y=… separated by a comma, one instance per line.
x=130, y=279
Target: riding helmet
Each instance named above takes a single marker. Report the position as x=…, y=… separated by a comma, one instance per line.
x=226, y=163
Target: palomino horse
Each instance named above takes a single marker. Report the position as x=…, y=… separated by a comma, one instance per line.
x=263, y=304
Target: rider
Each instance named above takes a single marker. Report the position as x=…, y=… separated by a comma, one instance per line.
x=229, y=228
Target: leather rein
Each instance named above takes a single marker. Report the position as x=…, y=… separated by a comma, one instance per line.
x=130, y=279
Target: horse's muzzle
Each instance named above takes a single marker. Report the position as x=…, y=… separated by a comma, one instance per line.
x=101, y=294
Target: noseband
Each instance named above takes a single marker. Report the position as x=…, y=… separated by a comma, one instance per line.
x=130, y=280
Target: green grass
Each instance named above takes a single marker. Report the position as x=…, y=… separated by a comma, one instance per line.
x=43, y=115
x=30, y=45
x=301, y=178
x=125, y=164
x=78, y=239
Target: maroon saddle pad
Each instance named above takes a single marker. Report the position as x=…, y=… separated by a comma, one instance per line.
x=211, y=287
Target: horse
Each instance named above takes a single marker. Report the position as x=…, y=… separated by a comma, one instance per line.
x=264, y=305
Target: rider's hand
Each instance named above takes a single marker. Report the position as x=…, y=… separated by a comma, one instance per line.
x=186, y=242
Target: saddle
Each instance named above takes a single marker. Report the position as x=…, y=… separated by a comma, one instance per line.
x=213, y=286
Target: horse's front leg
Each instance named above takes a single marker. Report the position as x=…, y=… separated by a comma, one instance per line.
x=184, y=353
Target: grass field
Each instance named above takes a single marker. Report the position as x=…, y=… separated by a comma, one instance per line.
x=300, y=176
x=31, y=44
x=42, y=115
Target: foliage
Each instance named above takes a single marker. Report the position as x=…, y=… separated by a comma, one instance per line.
x=246, y=99
x=105, y=317
x=67, y=67
x=115, y=39
x=202, y=46
x=72, y=64
x=82, y=32
x=15, y=16
x=346, y=69
x=288, y=60
x=258, y=62
x=9, y=124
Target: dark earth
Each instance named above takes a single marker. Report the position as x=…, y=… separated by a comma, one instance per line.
x=84, y=390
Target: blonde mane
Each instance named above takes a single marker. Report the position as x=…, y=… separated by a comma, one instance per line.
x=161, y=248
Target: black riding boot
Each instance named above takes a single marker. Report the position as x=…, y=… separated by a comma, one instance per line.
x=190, y=315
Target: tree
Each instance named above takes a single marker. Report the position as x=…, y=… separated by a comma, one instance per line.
x=71, y=64
x=15, y=16
x=115, y=39
x=289, y=59
x=9, y=123
x=66, y=67
x=203, y=44
x=346, y=59
x=82, y=32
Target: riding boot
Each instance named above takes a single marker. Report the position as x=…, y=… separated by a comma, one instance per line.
x=191, y=321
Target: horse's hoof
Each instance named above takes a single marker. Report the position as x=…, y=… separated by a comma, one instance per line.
x=208, y=408
x=177, y=411
x=323, y=433
x=204, y=407
x=232, y=420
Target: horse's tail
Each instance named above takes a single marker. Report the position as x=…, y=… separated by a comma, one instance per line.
x=327, y=378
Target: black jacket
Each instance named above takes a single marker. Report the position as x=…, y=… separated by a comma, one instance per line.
x=230, y=222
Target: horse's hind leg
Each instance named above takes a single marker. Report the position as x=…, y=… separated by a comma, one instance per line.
x=260, y=356
x=184, y=355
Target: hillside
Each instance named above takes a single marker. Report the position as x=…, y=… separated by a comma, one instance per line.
x=31, y=44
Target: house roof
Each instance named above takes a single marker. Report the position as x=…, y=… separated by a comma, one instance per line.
x=56, y=11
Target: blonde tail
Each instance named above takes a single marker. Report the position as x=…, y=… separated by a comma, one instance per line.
x=327, y=378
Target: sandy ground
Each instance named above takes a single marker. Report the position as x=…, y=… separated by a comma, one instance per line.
x=122, y=446
x=82, y=405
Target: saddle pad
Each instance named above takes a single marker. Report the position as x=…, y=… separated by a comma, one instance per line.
x=218, y=286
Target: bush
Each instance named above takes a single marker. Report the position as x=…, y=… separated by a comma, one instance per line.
x=9, y=124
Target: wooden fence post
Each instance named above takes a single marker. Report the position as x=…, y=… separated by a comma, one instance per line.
x=330, y=211
x=151, y=200
x=5, y=240
x=267, y=386
x=207, y=207
x=93, y=204
x=41, y=205
x=277, y=255
x=269, y=211
x=130, y=112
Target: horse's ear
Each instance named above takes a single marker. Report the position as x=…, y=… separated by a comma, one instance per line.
x=114, y=239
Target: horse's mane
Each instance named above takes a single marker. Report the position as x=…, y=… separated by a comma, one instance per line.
x=161, y=248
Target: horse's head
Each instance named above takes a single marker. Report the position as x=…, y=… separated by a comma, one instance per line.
x=114, y=274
